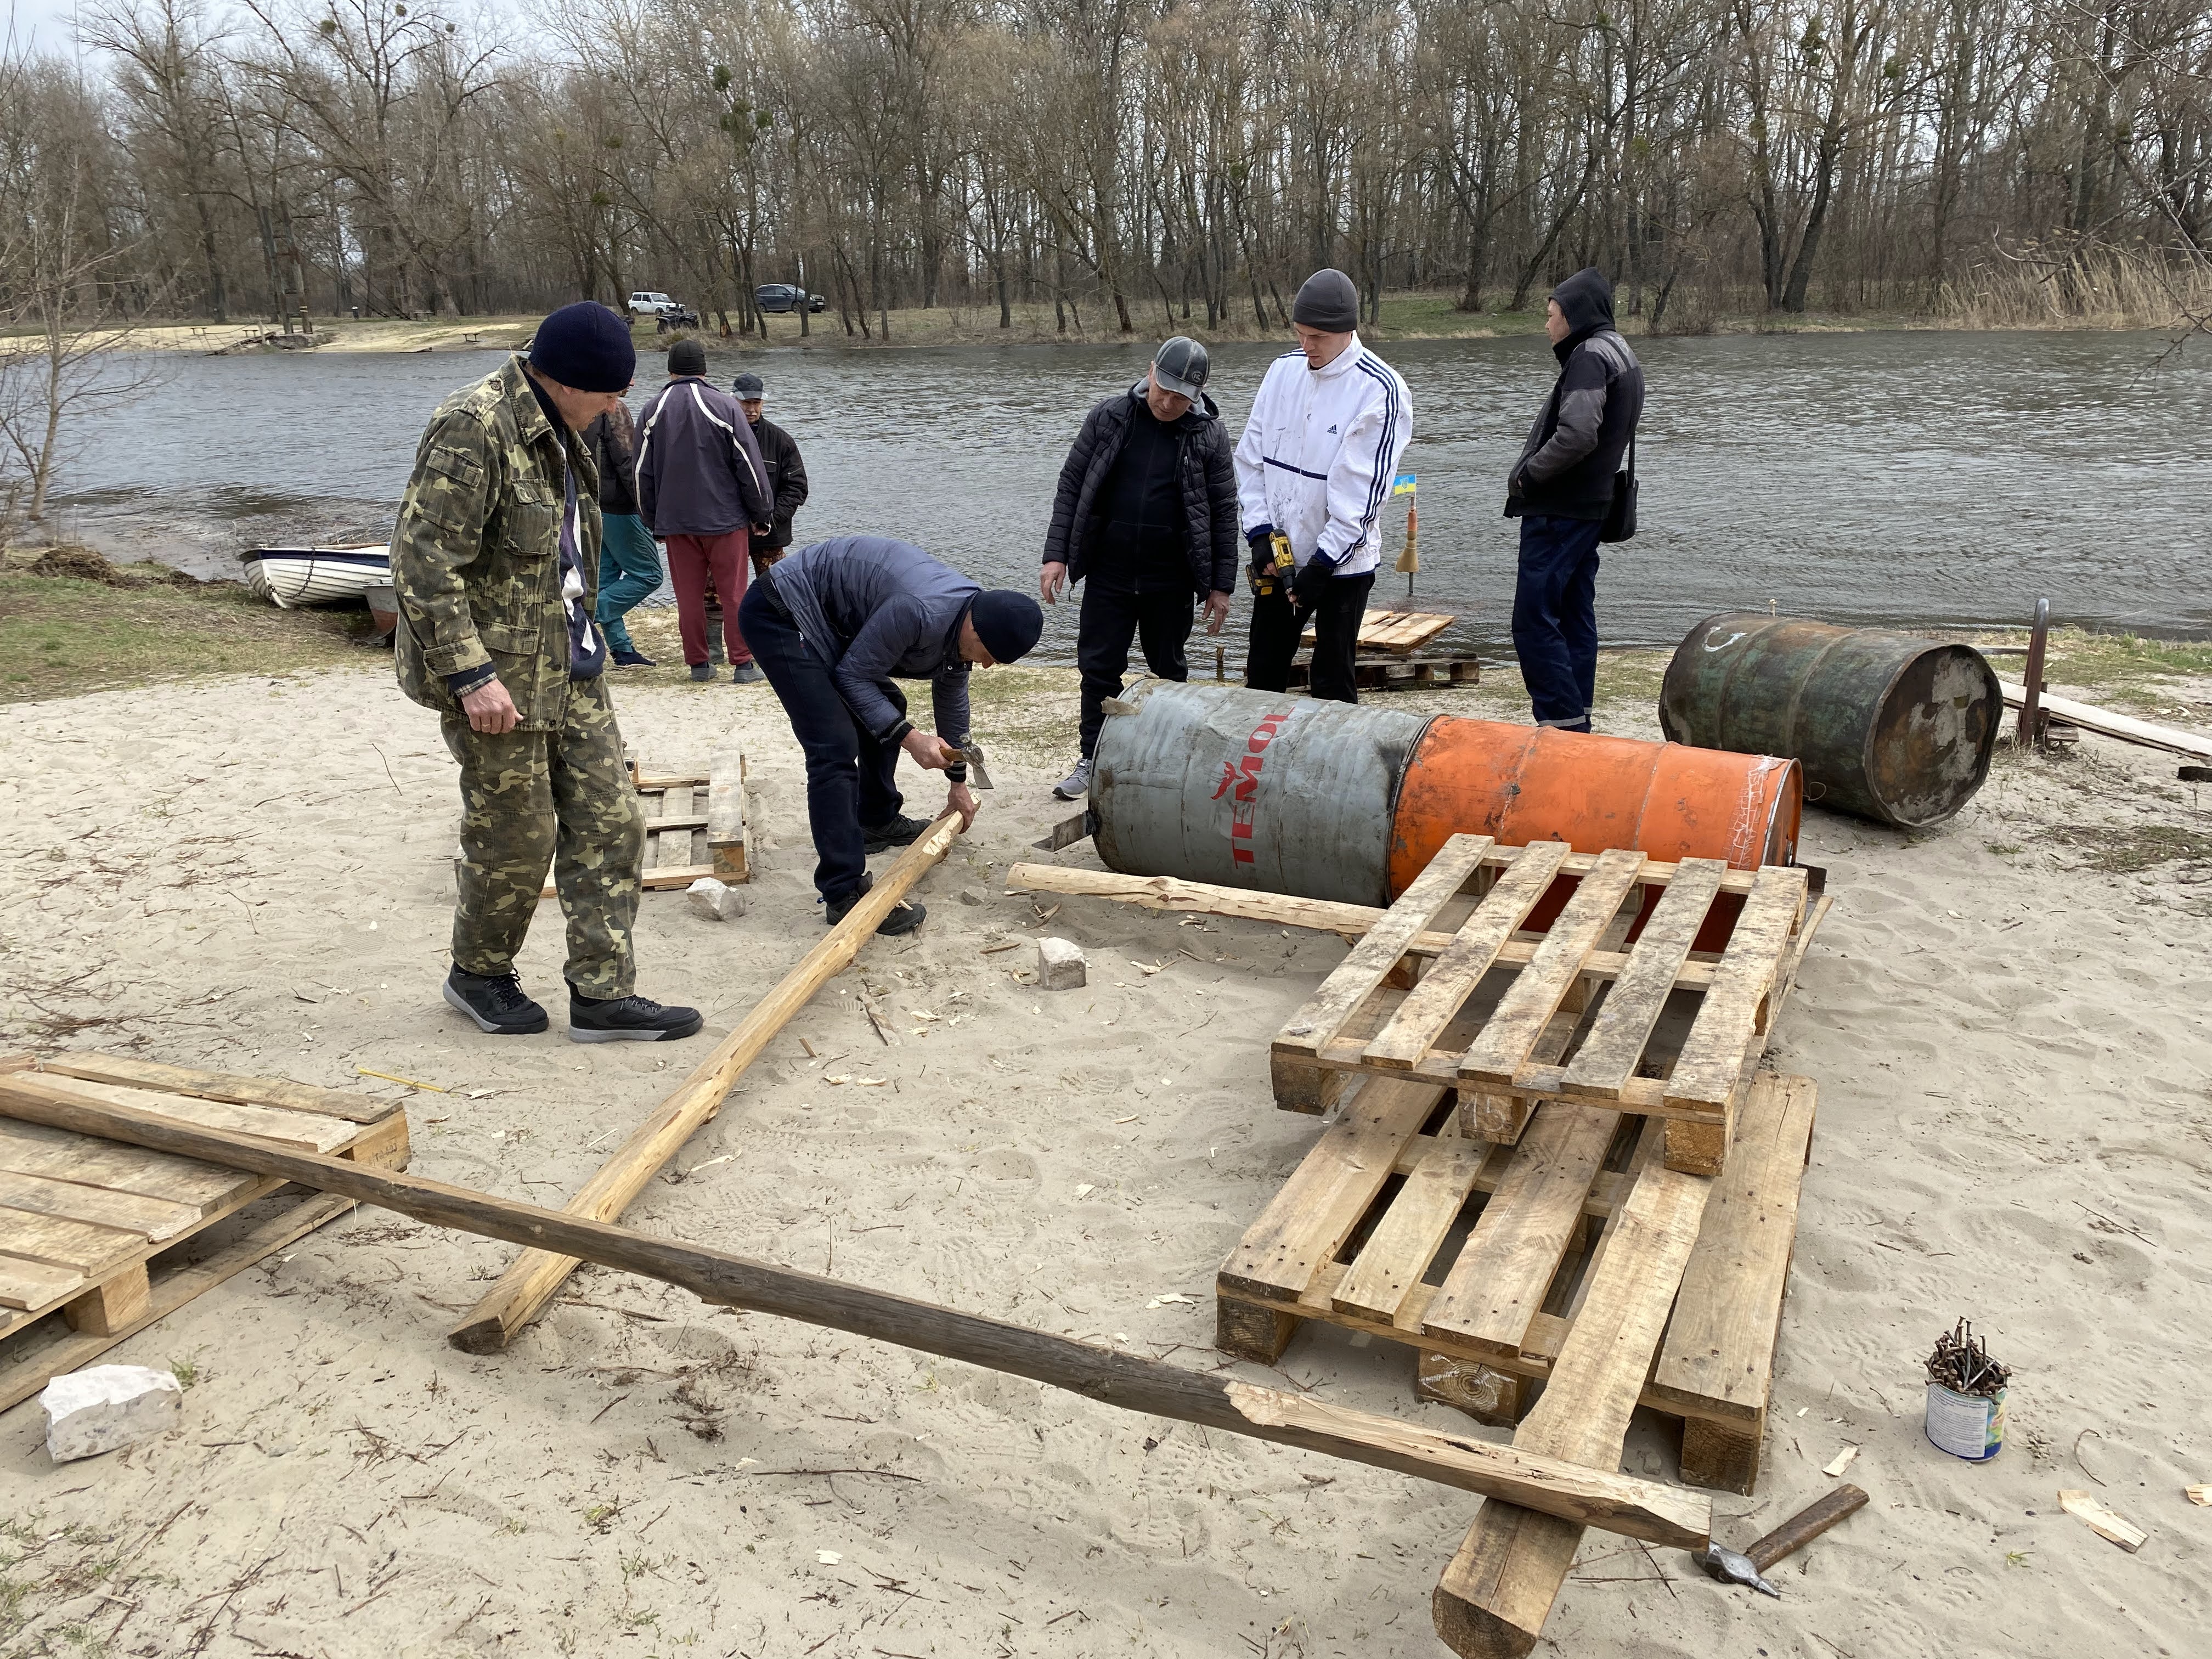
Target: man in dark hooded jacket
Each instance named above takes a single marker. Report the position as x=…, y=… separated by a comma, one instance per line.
x=1146, y=510
x=1561, y=489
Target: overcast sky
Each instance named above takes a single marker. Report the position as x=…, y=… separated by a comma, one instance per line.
x=42, y=22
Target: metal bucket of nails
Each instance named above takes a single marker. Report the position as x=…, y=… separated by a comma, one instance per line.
x=1966, y=1396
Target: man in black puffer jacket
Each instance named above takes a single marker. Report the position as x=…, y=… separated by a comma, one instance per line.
x=1561, y=489
x=1147, y=509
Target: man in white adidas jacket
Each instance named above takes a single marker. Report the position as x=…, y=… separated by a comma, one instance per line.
x=1320, y=449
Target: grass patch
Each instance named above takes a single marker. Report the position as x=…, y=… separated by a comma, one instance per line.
x=62, y=636
x=2125, y=672
x=2118, y=849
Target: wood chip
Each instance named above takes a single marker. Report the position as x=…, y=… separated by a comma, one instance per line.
x=2105, y=1521
x=2198, y=1494
x=1841, y=1460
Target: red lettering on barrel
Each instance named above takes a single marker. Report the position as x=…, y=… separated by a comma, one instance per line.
x=1242, y=776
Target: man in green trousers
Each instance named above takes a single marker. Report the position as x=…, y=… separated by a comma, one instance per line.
x=493, y=562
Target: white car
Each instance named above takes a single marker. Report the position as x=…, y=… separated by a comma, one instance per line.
x=642, y=304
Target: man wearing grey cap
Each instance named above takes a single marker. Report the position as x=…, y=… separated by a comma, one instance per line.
x=1314, y=467
x=786, y=472
x=1146, y=510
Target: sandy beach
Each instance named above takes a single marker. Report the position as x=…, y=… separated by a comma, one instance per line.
x=2007, y=1019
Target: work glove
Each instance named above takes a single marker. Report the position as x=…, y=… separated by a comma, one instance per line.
x=1260, y=539
x=1313, y=575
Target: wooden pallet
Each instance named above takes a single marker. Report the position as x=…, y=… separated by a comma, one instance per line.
x=106, y=1236
x=1397, y=673
x=1400, y=631
x=1614, y=1001
x=1575, y=1258
x=695, y=825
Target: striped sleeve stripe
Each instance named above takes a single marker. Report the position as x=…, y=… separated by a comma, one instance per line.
x=1378, y=491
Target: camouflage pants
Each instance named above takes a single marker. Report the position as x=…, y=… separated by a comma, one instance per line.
x=529, y=799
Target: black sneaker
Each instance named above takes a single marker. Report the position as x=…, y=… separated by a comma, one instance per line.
x=633, y=659
x=627, y=1020
x=903, y=918
x=899, y=832
x=497, y=1003
x=702, y=671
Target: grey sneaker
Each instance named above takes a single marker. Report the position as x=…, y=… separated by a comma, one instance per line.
x=1075, y=783
x=627, y=1020
x=497, y=1003
x=702, y=673
x=745, y=673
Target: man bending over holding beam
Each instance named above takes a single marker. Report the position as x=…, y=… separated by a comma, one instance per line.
x=833, y=625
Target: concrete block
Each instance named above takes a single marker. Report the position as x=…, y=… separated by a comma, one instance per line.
x=715, y=900
x=107, y=1407
x=1061, y=965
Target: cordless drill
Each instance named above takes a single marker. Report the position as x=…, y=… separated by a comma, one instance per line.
x=1279, y=569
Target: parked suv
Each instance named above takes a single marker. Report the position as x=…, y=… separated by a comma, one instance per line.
x=666, y=314
x=777, y=297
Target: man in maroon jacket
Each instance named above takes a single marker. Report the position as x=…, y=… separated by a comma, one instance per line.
x=701, y=488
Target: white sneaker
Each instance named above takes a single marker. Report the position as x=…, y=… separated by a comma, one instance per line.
x=1075, y=783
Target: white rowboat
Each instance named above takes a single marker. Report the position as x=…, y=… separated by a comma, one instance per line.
x=316, y=575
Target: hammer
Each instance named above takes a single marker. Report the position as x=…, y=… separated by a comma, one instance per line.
x=1786, y=1540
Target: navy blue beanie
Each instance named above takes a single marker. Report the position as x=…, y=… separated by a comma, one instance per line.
x=1007, y=623
x=587, y=347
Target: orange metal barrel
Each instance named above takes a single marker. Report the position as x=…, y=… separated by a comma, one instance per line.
x=1521, y=784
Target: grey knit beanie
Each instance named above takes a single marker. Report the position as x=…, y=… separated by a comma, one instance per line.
x=1327, y=301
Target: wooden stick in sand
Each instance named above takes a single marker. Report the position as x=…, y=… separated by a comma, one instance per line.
x=1553, y=1485
x=529, y=1282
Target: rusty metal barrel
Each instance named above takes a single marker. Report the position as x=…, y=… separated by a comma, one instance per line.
x=1520, y=784
x=1330, y=800
x=1255, y=789
x=1887, y=726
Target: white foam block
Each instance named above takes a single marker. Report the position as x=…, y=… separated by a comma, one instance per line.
x=106, y=1407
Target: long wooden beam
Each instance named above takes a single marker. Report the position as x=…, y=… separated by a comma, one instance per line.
x=2107, y=724
x=529, y=1282
x=1553, y=1485
x=1182, y=897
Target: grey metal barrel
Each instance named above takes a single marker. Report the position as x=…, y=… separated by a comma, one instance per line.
x=1257, y=789
x=1887, y=726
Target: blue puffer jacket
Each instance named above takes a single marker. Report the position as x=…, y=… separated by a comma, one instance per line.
x=877, y=609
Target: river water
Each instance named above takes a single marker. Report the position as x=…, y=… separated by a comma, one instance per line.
x=1922, y=479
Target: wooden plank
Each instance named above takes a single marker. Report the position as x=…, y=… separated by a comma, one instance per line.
x=1624, y=1024
x=1350, y=922
x=1498, y=1589
x=81, y=1247
x=1711, y=1062
x=111, y=1304
x=1536, y=993
x=649, y=784
x=25, y=1283
x=1419, y=1219
x=1637, y=1507
x=157, y=1218
x=317, y=1132
x=656, y=877
x=1452, y=977
x=1497, y=1285
x=1719, y=1354
x=729, y=830
x=531, y=1279
x=221, y=1086
x=29, y=1149
x=1378, y=954
x=675, y=820
x=1315, y=1210
x=22, y=1377
x=2107, y=724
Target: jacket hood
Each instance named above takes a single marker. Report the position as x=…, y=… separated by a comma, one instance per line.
x=1203, y=410
x=1585, y=300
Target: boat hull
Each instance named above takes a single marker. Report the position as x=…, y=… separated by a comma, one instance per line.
x=294, y=576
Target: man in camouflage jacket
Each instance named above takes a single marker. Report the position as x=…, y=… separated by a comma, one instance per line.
x=493, y=562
